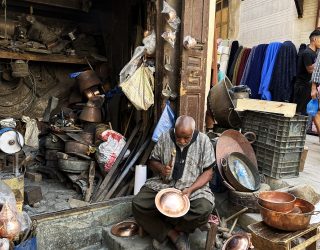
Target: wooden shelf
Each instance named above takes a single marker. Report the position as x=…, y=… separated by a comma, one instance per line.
x=42, y=57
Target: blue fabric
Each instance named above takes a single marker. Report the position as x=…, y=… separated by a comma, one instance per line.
x=267, y=70
x=166, y=122
x=30, y=244
x=284, y=74
x=254, y=72
x=74, y=75
x=248, y=65
x=115, y=91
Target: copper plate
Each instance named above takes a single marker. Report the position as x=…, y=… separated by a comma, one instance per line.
x=172, y=203
x=237, y=242
x=125, y=229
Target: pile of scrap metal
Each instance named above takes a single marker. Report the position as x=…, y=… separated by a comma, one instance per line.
x=78, y=144
x=28, y=34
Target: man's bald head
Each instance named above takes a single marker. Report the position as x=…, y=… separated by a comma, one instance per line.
x=184, y=128
x=185, y=122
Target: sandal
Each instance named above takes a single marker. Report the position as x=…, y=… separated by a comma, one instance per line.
x=182, y=242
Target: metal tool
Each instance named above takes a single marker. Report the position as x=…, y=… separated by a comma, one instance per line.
x=171, y=164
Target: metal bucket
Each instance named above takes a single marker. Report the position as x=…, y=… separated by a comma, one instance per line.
x=221, y=105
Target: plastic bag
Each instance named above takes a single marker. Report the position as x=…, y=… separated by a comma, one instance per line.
x=32, y=132
x=189, y=42
x=170, y=37
x=166, y=122
x=173, y=20
x=149, y=43
x=313, y=107
x=4, y=244
x=129, y=69
x=10, y=224
x=139, y=88
x=6, y=195
x=109, y=150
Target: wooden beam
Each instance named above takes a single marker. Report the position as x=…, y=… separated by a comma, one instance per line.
x=70, y=4
x=42, y=57
x=318, y=16
x=287, y=109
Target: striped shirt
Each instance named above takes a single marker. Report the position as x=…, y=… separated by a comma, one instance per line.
x=316, y=72
x=200, y=157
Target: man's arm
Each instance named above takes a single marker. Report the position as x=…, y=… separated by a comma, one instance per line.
x=158, y=168
x=308, y=62
x=202, y=180
x=310, y=68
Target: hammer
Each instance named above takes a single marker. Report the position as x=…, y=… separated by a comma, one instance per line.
x=171, y=163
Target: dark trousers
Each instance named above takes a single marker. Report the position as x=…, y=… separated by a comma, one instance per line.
x=157, y=225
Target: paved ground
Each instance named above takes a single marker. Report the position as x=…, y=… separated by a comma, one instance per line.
x=311, y=172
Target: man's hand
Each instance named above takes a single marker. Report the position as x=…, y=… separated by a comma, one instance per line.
x=166, y=171
x=187, y=192
x=314, y=93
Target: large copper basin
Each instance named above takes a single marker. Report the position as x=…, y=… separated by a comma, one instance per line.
x=277, y=201
x=288, y=221
x=172, y=203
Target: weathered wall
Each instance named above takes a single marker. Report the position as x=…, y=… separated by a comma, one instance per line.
x=80, y=228
x=264, y=21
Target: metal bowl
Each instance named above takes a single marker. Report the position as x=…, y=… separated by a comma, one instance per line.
x=277, y=201
x=172, y=203
x=125, y=229
x=237, y=242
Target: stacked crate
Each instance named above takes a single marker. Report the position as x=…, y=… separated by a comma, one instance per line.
x=279, y=143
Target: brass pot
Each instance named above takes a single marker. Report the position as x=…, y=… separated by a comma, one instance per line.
x=277, y=201
x=87, y=79
x=172, y=203
x=91, y=114
x=289, y=221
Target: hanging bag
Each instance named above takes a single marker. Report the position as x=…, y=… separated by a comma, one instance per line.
x=313, y=107
x=139, y=88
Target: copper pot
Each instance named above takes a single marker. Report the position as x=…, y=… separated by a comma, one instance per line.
x=91, y=92
x=125, y=229
x=75, y=147
x=91, y=114
x=237, y=242
x=252, y=183
x=87, y=79
x=289, y=221
x=277, y=201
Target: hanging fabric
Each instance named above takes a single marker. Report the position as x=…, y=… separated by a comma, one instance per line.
x=233, y=51
x=283, y=77
x=236, y=67
x=247, y=67
x=231, y=69
x=254, y=74
x=242, y=65
x=267, y=70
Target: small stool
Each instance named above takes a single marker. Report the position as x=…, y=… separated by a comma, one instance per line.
x=265, y=237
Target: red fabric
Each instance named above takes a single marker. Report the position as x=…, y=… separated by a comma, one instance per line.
x=242, y=65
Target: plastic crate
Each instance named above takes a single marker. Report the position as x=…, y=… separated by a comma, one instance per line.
x=279, y=163
x=276, y=130
x=279, y=142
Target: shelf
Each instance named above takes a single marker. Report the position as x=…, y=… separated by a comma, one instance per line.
x=42, y=57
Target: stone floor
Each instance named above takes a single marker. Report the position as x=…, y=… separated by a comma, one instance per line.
x=56, y=197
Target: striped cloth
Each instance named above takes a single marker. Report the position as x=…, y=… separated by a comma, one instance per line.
x=316, y=72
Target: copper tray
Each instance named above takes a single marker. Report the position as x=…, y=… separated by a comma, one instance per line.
x=125, y=228
x=172, y=203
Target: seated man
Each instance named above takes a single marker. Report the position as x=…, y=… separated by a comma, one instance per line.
x=192, y=171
